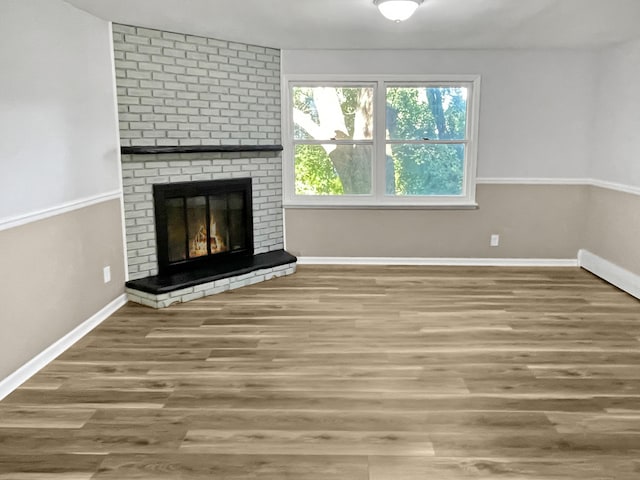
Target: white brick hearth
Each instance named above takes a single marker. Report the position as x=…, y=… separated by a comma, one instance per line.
x=209, y=288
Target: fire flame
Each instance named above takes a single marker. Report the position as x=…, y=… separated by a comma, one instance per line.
x=199, y=242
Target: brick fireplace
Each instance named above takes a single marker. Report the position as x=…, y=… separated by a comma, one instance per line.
x=178, y=92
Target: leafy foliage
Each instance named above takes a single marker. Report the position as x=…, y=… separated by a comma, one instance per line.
x=315, y=174
x=426, y=114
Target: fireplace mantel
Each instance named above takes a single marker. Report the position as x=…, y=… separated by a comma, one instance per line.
x=198, y=149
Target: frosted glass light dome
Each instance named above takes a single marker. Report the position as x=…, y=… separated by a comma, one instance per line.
x=397, y=10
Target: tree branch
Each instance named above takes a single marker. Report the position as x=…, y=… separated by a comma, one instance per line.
x=305, y=122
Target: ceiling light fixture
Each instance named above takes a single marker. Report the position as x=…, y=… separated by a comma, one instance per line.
x=397, y=10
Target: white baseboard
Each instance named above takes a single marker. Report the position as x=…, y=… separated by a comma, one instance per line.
x=41, y=360
x=484, y=262
x=610, y=272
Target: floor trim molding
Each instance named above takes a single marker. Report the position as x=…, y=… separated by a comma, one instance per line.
x=610, y=272
x=33, y=366
x=487, y=262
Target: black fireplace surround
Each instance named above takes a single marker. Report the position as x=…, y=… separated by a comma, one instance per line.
x=204, y=232
x=202, y=223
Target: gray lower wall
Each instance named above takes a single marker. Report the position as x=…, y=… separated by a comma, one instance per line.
x=53, y=278
x=534, y=221
x=613, y=227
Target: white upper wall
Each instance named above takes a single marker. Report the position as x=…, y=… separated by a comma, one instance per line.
x=58, y=123
x=616, y=153
x=535, y=108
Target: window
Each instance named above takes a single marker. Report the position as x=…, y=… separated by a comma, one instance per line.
x=381, y=142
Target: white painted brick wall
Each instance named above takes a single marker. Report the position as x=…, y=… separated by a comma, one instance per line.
x=176, y=89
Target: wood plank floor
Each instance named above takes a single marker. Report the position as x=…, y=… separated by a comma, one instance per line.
x=347, y=373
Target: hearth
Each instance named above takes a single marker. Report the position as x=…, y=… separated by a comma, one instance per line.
x=202, y=223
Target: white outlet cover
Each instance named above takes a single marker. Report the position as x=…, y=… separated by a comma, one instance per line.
x=495, y=240
x=106, y=273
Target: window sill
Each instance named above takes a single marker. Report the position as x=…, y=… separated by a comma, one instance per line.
x=382, y=206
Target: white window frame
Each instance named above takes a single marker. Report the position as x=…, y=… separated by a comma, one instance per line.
x=378, y=198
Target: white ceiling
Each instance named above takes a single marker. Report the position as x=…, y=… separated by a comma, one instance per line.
x=356, y=24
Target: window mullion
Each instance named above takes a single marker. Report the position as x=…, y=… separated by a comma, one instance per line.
x=427, y=142
x=333, y=142
x=380, y=137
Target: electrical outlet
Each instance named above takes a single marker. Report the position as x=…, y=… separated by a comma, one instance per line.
x=106, y=273
x=495, y=240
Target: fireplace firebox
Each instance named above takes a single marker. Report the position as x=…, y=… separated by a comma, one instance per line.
x=202, y=223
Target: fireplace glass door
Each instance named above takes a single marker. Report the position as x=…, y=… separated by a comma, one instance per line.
x=202, y=221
